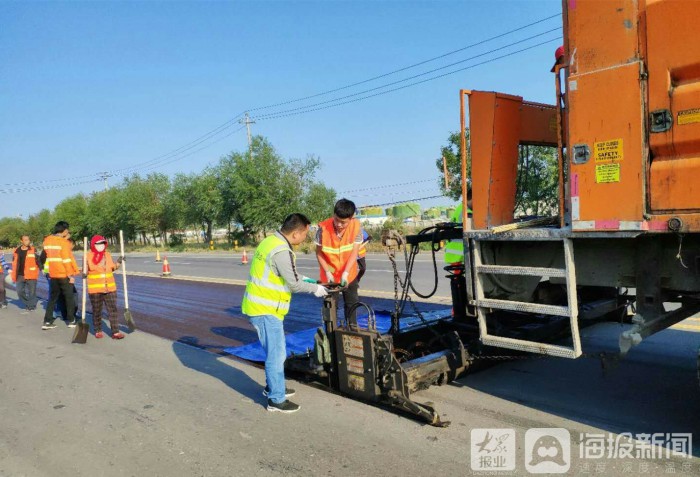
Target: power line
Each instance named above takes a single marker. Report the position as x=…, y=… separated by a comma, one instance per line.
x=272, y=116
x=229, y=123
x=182, y=149
x=274, y=113
x=509, y=32
x=417, y=199
x=172, y=156
x=390, y=194
x=155, y=166
x=387, y=186
x=46, y=187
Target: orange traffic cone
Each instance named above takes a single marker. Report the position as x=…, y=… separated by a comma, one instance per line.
x=244, y=258
x=166, y=268
x=158, y=255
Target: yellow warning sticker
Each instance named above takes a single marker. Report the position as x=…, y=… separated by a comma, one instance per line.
x=608, y=150
x=689, y=116
x=605, y=173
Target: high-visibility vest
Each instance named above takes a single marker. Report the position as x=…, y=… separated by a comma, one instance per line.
x=454, y=248
x=31, y=269
x=59, y=256
x=266, y=293
x=100, y=278
x=337, y=251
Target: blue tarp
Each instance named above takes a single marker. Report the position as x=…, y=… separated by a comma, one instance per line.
x=302, y=341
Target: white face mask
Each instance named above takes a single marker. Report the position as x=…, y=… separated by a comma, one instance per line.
x=100, y=247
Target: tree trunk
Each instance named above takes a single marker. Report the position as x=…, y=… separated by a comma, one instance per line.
x=209, y=233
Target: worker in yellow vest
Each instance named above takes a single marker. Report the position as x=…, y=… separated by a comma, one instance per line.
x=101, y=286
x=267, y=298
x=454, y=248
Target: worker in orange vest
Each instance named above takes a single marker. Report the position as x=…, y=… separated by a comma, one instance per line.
x=62, y=269
x=101, y=286
x=25, y=272
x=338, y=241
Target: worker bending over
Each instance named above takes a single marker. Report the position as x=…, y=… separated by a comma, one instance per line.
x=338, y=242
x=268, y=294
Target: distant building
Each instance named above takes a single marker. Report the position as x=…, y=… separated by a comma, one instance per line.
x=372, y=220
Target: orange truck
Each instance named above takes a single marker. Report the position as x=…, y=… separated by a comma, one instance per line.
x=626, y=126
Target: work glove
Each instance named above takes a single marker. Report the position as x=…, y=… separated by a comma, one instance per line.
x=84, y=275
x=344, y=279
x=121, y=259
x=329, y=276
x=320, y=292
x=308, y=280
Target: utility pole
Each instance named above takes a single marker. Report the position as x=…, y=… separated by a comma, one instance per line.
x=247, y=123
x=104, y=176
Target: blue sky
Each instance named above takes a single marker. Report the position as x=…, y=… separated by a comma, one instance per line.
x=99, y=86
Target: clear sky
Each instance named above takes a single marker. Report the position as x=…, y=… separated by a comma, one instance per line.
x=99, y=86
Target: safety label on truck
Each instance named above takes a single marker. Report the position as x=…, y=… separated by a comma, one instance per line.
x=607, y=173
x=355, y=365
x=608, y=150
x=353, y=346
x=689, y=116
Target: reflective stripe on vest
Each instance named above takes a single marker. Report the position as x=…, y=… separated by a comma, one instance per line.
x=266, y=293
x=337, y=251
x=59, y=257
x=30, y=272
x=100, y=278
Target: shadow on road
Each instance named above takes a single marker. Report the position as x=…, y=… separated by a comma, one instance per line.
x=195, y=355
x=652, y=390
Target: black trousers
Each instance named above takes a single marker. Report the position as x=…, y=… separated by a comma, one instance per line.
x=60, y=286
x=62, y=305
x=351, y=296
x=361, y=268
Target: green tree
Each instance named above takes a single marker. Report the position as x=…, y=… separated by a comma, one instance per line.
x=263, y=188
x=318, y=202
x=39, y=225
x=73, y=210
x=11, y=230
x=452, y=152
x=145, y=200
x=537, y=190
x=200, y=199
x=537, y=179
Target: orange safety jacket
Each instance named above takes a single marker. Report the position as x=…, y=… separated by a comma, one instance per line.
x=31, y=269
x=337, y=251
x=59, y=256
x=100, y=278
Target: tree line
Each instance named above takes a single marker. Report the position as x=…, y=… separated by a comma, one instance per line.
x=254, y=190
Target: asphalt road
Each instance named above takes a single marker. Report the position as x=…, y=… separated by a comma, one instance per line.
x=652, y=392
x=148, y=406
x=378, y=280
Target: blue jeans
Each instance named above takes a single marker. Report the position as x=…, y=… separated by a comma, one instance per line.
x=271, y=333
